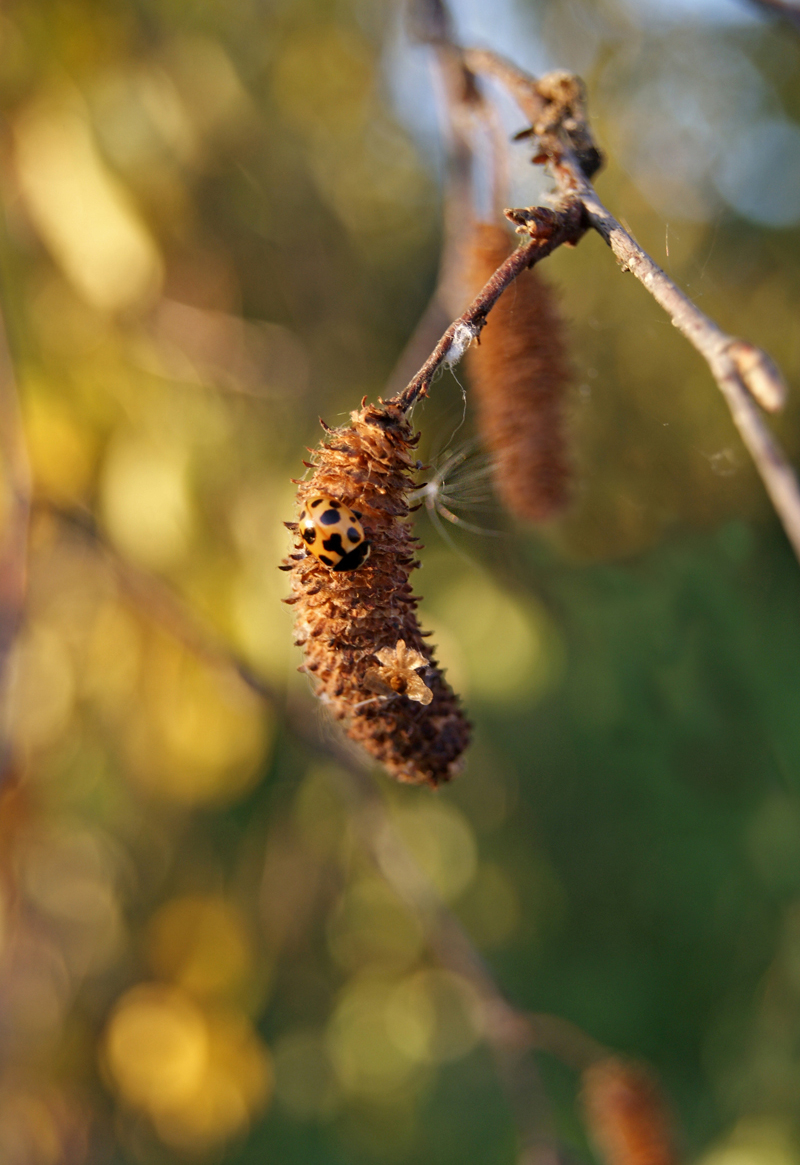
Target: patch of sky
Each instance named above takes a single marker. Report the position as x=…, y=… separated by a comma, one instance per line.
x=648, y=13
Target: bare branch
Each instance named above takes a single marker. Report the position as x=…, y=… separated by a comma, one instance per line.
x=743, y=372
x=555, y=105
x=723, y=356
x=466, y=116
x=550, y=229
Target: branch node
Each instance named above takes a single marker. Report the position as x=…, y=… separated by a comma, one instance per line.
x=762, y=377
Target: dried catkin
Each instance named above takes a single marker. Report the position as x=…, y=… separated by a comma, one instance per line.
x=626, y=1114
x=519, y=374
x=364, y=649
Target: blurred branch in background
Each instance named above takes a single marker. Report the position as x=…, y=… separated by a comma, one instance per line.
x=513, y=1035
x=158, y=600
x=468, y=119
x=550, y=229
x=785, y=8
x=744, y=374
x=208, y=903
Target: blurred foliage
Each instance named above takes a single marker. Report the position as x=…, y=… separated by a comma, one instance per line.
x=220, y=222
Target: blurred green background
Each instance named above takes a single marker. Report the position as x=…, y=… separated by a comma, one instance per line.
x=221, y=221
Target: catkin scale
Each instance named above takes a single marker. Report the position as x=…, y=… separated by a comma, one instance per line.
x=519, y=374
x=343, y=619
x=626, y=1114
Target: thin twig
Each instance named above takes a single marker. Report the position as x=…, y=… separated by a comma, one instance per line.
x=466, y=114
x=466, y=109
x=521, y=85
x=724, y=354
x=744, y=373
x=550, y=230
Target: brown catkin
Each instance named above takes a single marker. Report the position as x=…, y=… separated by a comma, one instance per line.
x=626, y=1114
x=519, y=374
x=343, y=619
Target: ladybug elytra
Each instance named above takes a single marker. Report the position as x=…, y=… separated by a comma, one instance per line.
x=333, y=533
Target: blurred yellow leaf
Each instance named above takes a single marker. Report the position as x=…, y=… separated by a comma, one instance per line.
x=83, y=213
x=201, y=943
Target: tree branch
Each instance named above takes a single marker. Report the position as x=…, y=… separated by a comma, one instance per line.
x=744, y=374
x=548, y=230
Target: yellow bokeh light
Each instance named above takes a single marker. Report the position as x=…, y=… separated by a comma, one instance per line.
x=262, y=624
x=367, y=1061
x=214, y=98
x=217, y=1110
x=376, y=187
x=156, y=1047
x=442, y=842
x=67, y=327
x=146, y=503
x=237, y=1082
x=199, y=734
x=142, y=121
x=201, y=943
x=111, y=659
x=83, y=213
x=60, y=451
x=434, y=1017
x=756, y=1141
x=199, y=1076
x=507, y=651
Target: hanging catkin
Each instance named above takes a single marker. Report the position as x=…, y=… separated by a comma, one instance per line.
x=364, y=649
x=626, y=1115
x=519, y=374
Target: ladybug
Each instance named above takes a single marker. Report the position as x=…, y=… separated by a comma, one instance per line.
x=333, y=533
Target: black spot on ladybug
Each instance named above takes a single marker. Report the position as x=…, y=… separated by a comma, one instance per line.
x=334, y=544
x=357, y=514
x=332, y=533
x=354, y=558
